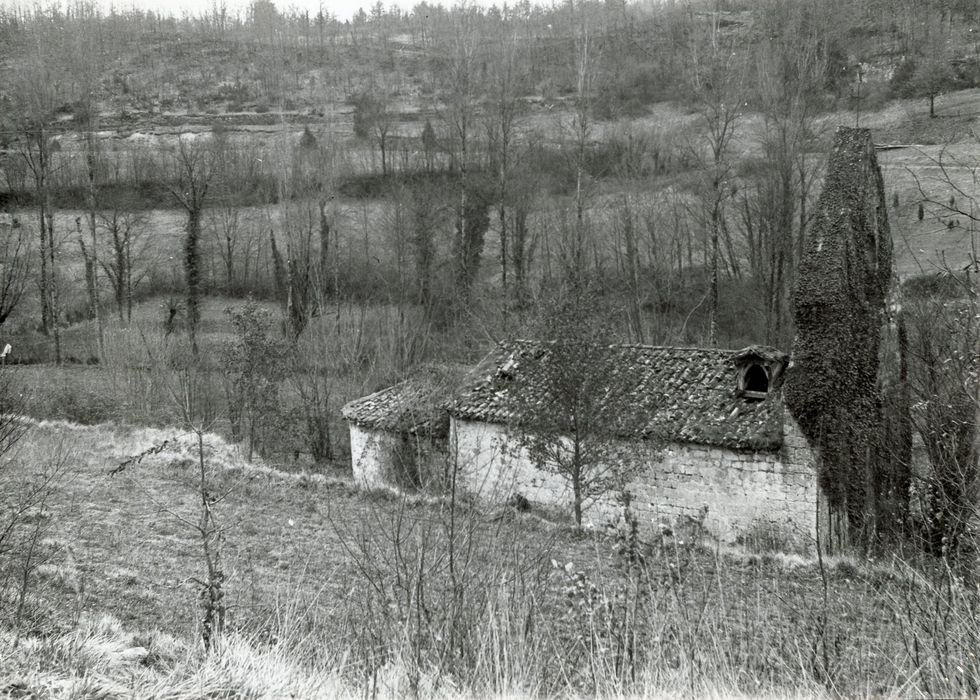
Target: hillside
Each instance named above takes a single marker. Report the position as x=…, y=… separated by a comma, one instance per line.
x=323, y=584
x=217, y=230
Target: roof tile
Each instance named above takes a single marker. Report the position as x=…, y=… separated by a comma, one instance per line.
x=415, y=405
x=677, y=394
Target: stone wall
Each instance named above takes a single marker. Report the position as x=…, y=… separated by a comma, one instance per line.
x=371, y=454
x=384, y=459
x=737, y=495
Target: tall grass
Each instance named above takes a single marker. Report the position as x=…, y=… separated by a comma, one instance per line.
x=387, y=595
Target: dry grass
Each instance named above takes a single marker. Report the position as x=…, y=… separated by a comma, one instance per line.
x=933, y=173
x=303, y=554
x=102, y=659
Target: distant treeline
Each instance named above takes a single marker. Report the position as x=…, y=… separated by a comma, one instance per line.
x=550, y=165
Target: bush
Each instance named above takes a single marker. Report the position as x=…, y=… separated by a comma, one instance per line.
x=75, y=402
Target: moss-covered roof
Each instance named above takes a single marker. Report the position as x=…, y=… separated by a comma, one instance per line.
x=674, y=394
x=415, y=405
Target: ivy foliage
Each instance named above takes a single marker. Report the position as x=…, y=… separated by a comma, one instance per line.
x=255, y=365
x=838, y=304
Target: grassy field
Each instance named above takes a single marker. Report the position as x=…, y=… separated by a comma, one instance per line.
x=332, y=591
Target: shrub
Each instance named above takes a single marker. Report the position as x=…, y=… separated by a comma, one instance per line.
x=75, y=402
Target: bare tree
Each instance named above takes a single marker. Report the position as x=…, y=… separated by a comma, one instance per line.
x=461, y=79
x=235, y=240
x=88, y=71
x=774, y=202
x=89, y=260
x=15, y=264
x=574, y=249
x=502, y=123
x=91, y=202
x=523, y=239
x=716, y=79
x=372, y=119
x=42, y=81
x=127, y=245
x=296, y=273
x=35, y=148
x=628, y=219
x=430, y=145
x=569, y=397
x=944, y=386
x=930, y=69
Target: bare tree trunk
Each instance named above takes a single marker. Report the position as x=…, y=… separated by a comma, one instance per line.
x=325, y=287
x=713, y=327
x=577, y=482
x=192, y=271
x=632, y=272
x=43, y=282
x=94, y=291
x=129, y=278
x=502, y=220
x=582, y=130
x=122, y=277
x=39, y=163
x=383, y=142
x=89, y=269
x=519, y=255
x=53, y=291
x=229, y=263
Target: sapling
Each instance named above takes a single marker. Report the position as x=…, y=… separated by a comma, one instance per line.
x=193, y=401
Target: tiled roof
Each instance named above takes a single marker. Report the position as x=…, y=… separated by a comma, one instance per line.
x=674, y=394
x=415, y=405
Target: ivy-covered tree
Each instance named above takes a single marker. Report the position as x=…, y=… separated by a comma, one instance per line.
x=471, y=223
x=838, y=306
x=194, y=168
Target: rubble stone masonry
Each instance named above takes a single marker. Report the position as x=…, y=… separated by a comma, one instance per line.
x=736, y=496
